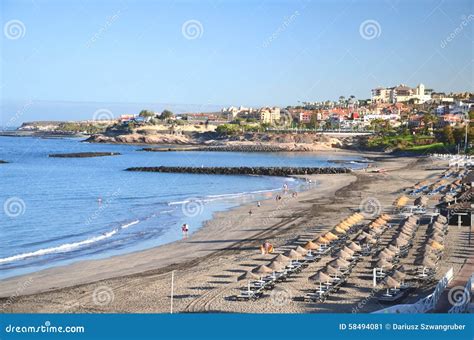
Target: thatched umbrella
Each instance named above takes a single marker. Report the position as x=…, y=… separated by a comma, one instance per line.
x=321, y=278
x=399, y=275
x=330, y=236
x=301, y=250
x=428, y=263
x=262, y=270
x=332, y=271
x=249, y=276
x=339, y=230
x=391, y=283
x=382, y=263
x=311, y=246
x=355, y=247
x=341, y=263
x=344, y=255
x=282, y=259
x=276, y=266
x=293, y=254
x=323, y=240
x=421, y=201
x=393, y=248
x=348, y=250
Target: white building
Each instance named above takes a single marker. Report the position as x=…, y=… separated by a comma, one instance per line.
x=401, y=94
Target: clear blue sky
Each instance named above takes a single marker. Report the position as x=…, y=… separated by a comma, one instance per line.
x=248, y=52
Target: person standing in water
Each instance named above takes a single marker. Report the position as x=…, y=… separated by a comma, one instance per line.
x=185, y=230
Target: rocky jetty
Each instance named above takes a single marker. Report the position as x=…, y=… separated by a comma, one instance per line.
x=3, y=162
x=256, y=171
x=84, y=154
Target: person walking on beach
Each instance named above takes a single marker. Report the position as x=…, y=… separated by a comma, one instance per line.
x=250, y=212
x=185, y=230
x=259, y=204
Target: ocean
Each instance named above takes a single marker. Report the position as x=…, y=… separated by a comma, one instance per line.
x=55, y=211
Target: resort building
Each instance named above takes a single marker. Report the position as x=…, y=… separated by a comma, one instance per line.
x=401, y=94
x=269, y=115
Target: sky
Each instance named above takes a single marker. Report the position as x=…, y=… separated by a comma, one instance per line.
x=67, y=59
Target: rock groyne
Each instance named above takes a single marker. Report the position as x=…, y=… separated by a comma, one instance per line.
x=256, y=171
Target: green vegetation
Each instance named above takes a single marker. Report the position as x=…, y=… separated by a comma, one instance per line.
x=87, y=128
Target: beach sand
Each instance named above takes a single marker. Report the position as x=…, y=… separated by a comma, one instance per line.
x=207, y=264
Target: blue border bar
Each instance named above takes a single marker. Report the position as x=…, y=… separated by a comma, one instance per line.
x=238, y=326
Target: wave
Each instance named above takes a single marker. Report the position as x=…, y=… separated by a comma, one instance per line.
x=210, y=198
x=67, y=247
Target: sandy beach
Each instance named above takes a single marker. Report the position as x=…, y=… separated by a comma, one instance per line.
x=206, y=265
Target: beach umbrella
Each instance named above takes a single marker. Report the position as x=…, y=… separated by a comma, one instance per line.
x=293, y=255
x=385, y=256
x=262, y=270
x=330, y=236
x=394, y=249
x=323, y=240
x=248, y=276
x=311, y=246
x=437, y=245
x=399, y=275
x=341, y=263
x=301, y=250
x=332, y=271
x=348, y=250
x=421, y=201
x=382, y=263
x=339, y=230
x=276, y=266
x=321, y=278
x=428, y=263
x=355, y=247
x=392, y=283
x=281, y=258
x=344, y=255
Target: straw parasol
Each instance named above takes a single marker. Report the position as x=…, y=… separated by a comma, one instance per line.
x=282, y=259
x=248, y=276
x=428, y=263
x=421, y=201
x=436, y=245
x=321, y=278
x=393, y=248
x=333, y=271
x=276, y=266
x=382, y=263
x=311, y=245
x=344, y=255
x=324, y=240
x=262, y=270
x=355, y=247
x=392, y=283
x=301, y=250
x=339, y=230
x=330, y=236
x=348, y=250
x=399, y=275
x=341, y=263
x=293, y=255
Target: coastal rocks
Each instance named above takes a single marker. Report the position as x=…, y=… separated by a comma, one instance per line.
x=3, y=162
x=84, y=154
x=256, y=171
x=136, y=138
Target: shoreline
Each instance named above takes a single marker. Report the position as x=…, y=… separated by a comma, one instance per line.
x=43, y=279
